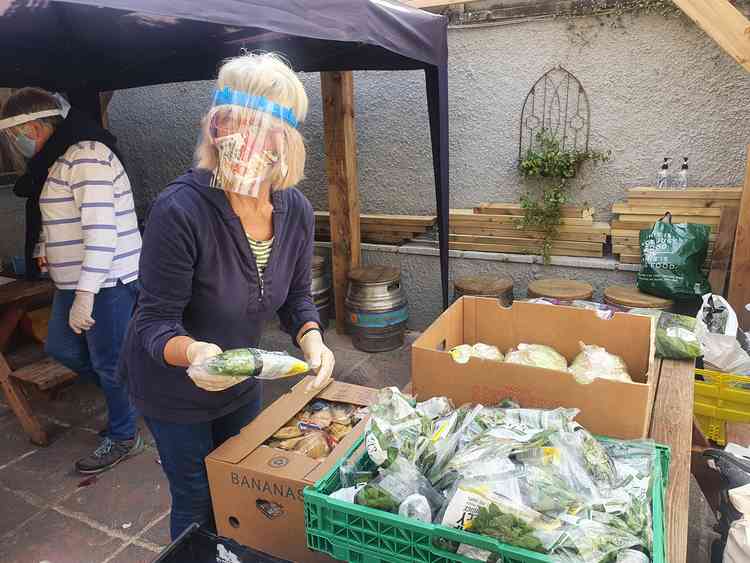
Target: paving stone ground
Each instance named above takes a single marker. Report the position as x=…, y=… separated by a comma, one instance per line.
x=48, y=514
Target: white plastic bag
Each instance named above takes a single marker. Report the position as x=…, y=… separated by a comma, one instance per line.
x=722, y=351
x=737, y=549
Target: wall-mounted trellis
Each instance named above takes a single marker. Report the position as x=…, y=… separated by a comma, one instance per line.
x=558, y=104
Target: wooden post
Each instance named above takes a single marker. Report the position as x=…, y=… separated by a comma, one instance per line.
x=343, y=191
x=739, y=279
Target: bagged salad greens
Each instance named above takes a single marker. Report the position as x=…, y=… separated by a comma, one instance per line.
x=251, y=362
x=531, y=478
x=594, y=362
x=537, y=355
x=676, y=335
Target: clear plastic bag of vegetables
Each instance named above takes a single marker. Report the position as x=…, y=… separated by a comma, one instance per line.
x=394, y=422
x=463, y=353
x=677, y=336
x=595, y=362
x=496, y=510
x=588, y=541
x=250, y=362
x=537, y=355
x=396, y=484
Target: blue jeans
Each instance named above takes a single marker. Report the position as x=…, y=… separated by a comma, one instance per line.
x=183, y=449
x=94, y=354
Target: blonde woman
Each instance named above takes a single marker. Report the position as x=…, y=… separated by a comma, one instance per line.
x=227, y=247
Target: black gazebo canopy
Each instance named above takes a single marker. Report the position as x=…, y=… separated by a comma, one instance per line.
x=84, y=47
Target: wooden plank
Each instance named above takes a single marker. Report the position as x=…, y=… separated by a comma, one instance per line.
x=337, y=91
x=702, y=212
x=20, y=292
x=511, y=249
x=374, y=229
x=513, y=232
x=739, y=278
x=675, y=219
x=467, y=216
x=724, y=23
x=722, y=255
x=45, y=374
x=713, y=194
x=618, y=225
x=672, y=424
x=526, y=243
x=518, y=210
x=20, y=406
x=667, y=204
x=365, y=219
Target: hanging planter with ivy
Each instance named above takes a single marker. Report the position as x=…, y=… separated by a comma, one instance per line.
x=553, y=144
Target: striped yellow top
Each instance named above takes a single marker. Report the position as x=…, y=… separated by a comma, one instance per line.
x=261, y=250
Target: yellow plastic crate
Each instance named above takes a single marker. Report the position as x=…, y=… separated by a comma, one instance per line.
x=719, y=399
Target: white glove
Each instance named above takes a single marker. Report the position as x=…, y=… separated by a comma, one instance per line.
x=80, y=318
x=199, y=352
x=319, y=357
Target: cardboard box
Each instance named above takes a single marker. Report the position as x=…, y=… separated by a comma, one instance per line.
x=257, y=490
x=610, y=408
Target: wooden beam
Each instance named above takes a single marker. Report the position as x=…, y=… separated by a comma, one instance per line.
x=724, y=23
x=672, y=424
x=722, y=256
x=20, y=406
x=739, y=278
x=337, y=89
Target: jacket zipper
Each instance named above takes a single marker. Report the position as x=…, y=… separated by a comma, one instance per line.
x=261, y=285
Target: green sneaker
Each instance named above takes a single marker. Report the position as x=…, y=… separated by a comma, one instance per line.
x=108, y=454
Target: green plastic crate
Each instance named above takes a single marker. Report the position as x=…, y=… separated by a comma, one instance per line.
x=360, y=534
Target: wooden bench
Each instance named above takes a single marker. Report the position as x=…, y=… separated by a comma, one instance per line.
x=45, y=374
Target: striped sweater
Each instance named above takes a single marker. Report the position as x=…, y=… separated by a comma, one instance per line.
x=90, y=231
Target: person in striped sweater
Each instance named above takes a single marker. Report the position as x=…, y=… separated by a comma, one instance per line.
x=82, y=228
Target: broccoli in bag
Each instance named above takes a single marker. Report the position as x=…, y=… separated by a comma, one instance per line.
x=676, y=335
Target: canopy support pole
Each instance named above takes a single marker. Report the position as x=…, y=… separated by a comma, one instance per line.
x=337, y=90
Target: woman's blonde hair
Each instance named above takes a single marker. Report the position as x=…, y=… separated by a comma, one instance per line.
x=267, y=75
x=24, y=100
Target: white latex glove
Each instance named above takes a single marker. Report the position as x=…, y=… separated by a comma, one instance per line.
x=198, y=352
x=319, y=357
x=80, y=318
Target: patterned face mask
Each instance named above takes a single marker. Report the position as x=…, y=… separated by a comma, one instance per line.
x=249, y=136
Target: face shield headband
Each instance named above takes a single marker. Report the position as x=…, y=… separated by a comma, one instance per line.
x=22, y=118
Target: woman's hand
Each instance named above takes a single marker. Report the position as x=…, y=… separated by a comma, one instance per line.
x=318, y=356
x=197, y=353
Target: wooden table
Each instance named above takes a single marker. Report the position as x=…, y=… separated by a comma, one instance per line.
x=672, y=425
x=16, y=298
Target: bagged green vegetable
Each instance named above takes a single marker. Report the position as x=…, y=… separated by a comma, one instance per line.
x=676, y=335
x=461, y=354
x=395, y=423
x=672, y=256
x=537, y=355
x=595, y=362
x=250, y=362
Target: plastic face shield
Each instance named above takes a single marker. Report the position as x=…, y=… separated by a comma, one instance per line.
x=250, y=139
x=10, y=126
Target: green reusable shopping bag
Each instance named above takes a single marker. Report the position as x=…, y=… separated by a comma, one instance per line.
x=671, y=260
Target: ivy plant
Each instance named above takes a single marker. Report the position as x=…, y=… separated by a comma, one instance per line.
x=555, y=166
